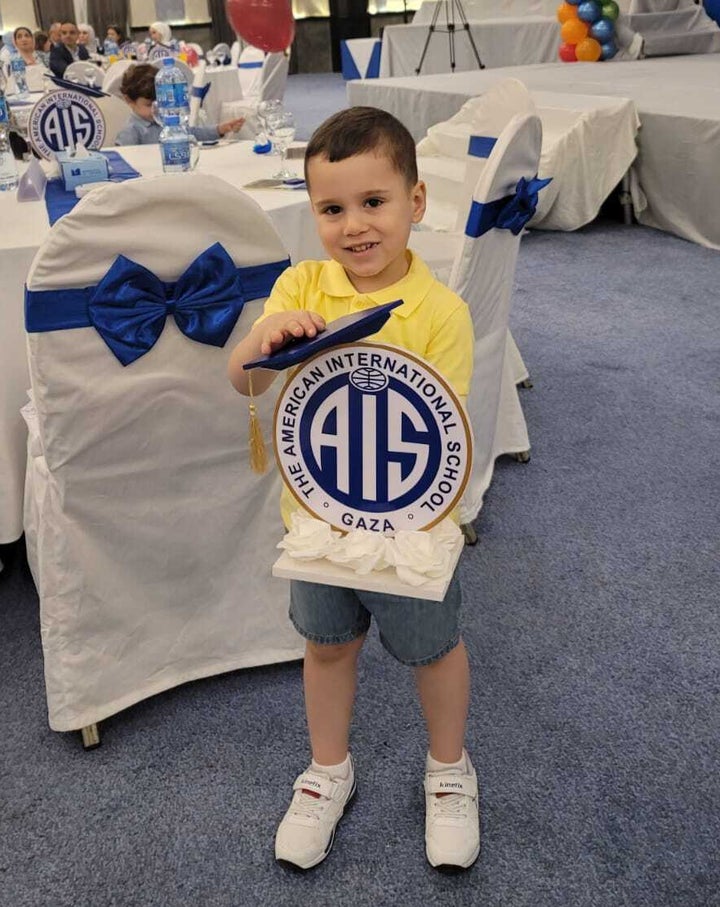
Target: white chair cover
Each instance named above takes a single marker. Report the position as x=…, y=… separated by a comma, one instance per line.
x=85, y=73
x=115, y=112
x=114, y=76
x=274, y=76
x=482, y=273
x=250, y=67
x=36, y=75
x=235, y=53
x=150, y=540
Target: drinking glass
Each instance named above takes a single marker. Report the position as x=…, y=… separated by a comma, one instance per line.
x=282, y=133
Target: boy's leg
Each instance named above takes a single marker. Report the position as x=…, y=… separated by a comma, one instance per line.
x=330, y=676
x=452, y=832
x=444, y=690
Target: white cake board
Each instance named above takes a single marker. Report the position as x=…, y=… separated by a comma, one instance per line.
x=329, y=574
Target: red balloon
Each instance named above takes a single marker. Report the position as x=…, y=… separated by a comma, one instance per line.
x=567, y=53
x=267, y=24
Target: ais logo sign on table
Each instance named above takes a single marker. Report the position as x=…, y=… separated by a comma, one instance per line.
x=368, y=436
x=65, y=119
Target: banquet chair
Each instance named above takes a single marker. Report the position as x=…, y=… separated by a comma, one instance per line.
x=273, y=77
x=482, y=274
x=250, y=67
x=114, y=76
x=85, y=73
x=235, y=53
x=149, y=538
x=464, y=143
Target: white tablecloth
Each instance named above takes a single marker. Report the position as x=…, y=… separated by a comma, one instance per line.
x=677, y=98
x=499, y=42
x=26, y=226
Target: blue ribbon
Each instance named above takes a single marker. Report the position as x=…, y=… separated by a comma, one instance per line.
x=200, y=91
x=509, y=213
x=129, y=306
x=481, y=145
x=254, y=64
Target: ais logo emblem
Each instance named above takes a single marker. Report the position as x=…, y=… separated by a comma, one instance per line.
x=369, y=437
x=63, y=119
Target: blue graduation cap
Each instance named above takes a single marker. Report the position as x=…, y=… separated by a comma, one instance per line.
x=347, y=329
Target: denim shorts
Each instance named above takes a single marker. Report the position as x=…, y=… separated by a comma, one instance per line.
x=415, y=631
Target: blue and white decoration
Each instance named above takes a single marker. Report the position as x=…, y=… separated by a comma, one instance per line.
x=63, y=120
x=368, y=436
x=360, y=58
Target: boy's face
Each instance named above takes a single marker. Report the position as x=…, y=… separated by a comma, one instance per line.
x=143, y=107
x=364, y=210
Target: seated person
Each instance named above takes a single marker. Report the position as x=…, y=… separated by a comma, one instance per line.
x=68, y=51
x=160, y=33
x=138, y=90
x=54, y=34
x=25, y=44
x=42, y=46
x=115, y=34
x=86, y=37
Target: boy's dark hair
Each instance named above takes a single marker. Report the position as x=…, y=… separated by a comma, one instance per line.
x=358, y=130
x=139, y=82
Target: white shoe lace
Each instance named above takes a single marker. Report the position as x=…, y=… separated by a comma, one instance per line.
x=305, y=806
x=450, y=806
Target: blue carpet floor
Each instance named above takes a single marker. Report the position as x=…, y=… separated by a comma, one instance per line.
x=592, y=625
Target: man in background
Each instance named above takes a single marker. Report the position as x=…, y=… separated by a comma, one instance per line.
x=65, y=53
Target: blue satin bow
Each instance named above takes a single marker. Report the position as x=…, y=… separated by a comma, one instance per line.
x=129, y=306
x=509, y=213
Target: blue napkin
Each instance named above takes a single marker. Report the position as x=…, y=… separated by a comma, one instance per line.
x=59, y=202
x=347, y=329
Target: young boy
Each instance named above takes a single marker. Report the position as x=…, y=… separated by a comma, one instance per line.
x=362, y=179
x=138, y=90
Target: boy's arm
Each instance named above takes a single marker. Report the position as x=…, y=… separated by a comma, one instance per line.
x=270, y=334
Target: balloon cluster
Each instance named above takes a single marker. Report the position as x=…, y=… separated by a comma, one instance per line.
x=587, y=30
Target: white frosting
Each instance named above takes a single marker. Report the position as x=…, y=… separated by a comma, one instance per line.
x=416, y=556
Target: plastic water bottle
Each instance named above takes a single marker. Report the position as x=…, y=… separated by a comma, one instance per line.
x=19, y=73
x=171, y=91
x=8, y=167
x=175, y=145
x=110, y=48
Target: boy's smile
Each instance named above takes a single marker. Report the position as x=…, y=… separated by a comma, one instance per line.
x=364, y=210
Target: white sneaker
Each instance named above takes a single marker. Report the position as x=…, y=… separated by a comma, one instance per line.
x=307, y=831
x=452, y=824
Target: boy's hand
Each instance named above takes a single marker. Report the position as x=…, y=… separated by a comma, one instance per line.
x=231, y=126
x=282, y=327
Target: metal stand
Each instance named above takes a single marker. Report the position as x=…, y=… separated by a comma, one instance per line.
x=451, y=7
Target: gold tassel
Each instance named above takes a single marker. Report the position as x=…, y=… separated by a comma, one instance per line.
x=258, y=452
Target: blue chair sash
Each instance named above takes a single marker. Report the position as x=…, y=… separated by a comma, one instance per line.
x=509, y=213
x=253, y=64
x=200, y=91
x=129, y=306
x=481, y=145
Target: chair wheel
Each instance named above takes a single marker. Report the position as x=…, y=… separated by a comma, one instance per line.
x=527, y=384
x=469, y=532
x=90, y=737
x=522, y=456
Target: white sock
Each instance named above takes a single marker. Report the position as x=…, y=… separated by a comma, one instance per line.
x=339, y=772
x=462, y=765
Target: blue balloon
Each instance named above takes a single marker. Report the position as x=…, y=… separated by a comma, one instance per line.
x=589, y=11
x=608, y=50
x=602, y=30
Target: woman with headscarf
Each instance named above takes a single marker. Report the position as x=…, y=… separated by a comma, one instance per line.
x=86, y=36
x=25, y=45
x=160, y=33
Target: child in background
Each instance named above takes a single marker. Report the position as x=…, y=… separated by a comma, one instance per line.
x=138, y=90
x=362, y=179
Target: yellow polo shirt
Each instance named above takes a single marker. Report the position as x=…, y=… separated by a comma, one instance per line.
x=433, y=323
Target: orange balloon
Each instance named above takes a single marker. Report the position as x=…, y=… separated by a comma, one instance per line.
x=574, y=30
x=588, y=50
x=566, y=11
